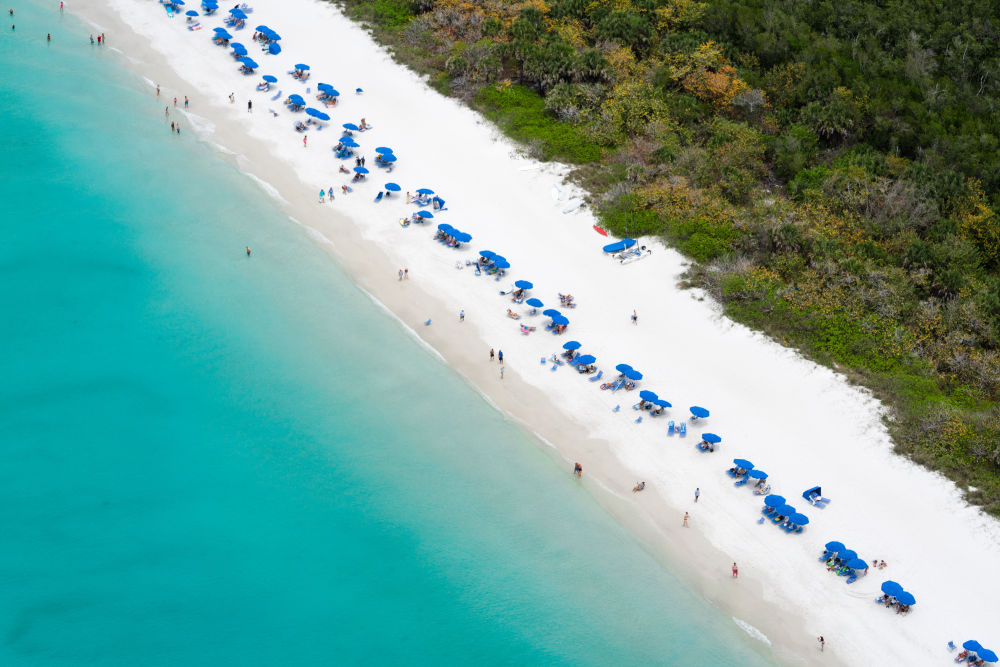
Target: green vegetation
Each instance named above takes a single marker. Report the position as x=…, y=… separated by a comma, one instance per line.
x=833, y=168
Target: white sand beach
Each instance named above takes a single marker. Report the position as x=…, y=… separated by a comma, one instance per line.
x=801, y=423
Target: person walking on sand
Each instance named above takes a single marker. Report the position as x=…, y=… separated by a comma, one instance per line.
x=185, y=101
x=232, y=98
x=635, y=317
x=249, y=106
x=736, y=571
x=501, y=372
x=697, y=494
x=305, y=141
x=500, y=357
x=322, y=195
x=686, y=517
x=157, y=90
x=461, y=316
x=822, y=643
x=577, y=469
x=401, y=275
x=406, y=274
x=248, y=251
x=491, y=354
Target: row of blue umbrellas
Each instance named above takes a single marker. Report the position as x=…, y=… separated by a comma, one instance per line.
x=975, y=647
x=628, y=372
x=459, y=236
x=328, y=89
x=890, y=587
x=267, y=32
x=317, y=114
x=779, y=505
x=496, y=260
x=849, y=556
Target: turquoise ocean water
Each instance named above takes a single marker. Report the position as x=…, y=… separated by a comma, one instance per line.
x=204, y=463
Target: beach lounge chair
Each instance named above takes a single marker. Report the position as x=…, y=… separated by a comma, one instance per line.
x=597, y=377
x=682, y=430
x=638, y=420
x=670, y=427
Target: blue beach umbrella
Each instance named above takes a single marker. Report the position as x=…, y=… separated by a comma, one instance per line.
x=389, y=158
x=984, y=653
x=746, y=465
x=560, y=320
x=238, y=13
x=633, y=375
x=220, y=33
x=272, y=35
x=487, y=254
x=238, y=48
x=270, y=79
x=384, y=150
x=523, y=284
x=551, y=312
x=972, y=645
x=534, y=303
x=699, y=412
x=362, y=170
x=758, y=474
x=392, y=187
x=425, y=214
x=907, y=598
x=347, y=141
x=501, y=263
x=191, y=12
x=571, y=345
x=586, y=359
x=786, y=510
x=890, y=587
x=857, y=564
x=648, y=395
x=350, y=126
x=839, y=546
x=774, y=500
x=848, y=555
x=296, y=100
x=249, y=63
x=621, y=368
x=302, y=67
x=462, y=237
x=799, y=519
x=711, y=437
x=218, y=30
x=274, y=48
x=499, y=258
x=316, y=113
x=425, y=191
x=262, y=28
x=176, y=2
x=444, y=225
x=662, y=403
x=324, y=87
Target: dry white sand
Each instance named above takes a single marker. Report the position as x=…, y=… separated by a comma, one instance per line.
x=803, y=424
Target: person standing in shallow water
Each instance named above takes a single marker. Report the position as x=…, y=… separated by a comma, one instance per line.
x=577, y=469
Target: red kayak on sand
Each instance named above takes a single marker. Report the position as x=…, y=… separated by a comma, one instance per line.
x=600, y=231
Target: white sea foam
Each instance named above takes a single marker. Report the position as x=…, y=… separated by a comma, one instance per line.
x=271, y=191
x=752, y=631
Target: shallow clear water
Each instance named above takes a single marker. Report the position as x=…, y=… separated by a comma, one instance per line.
x=210, y=459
